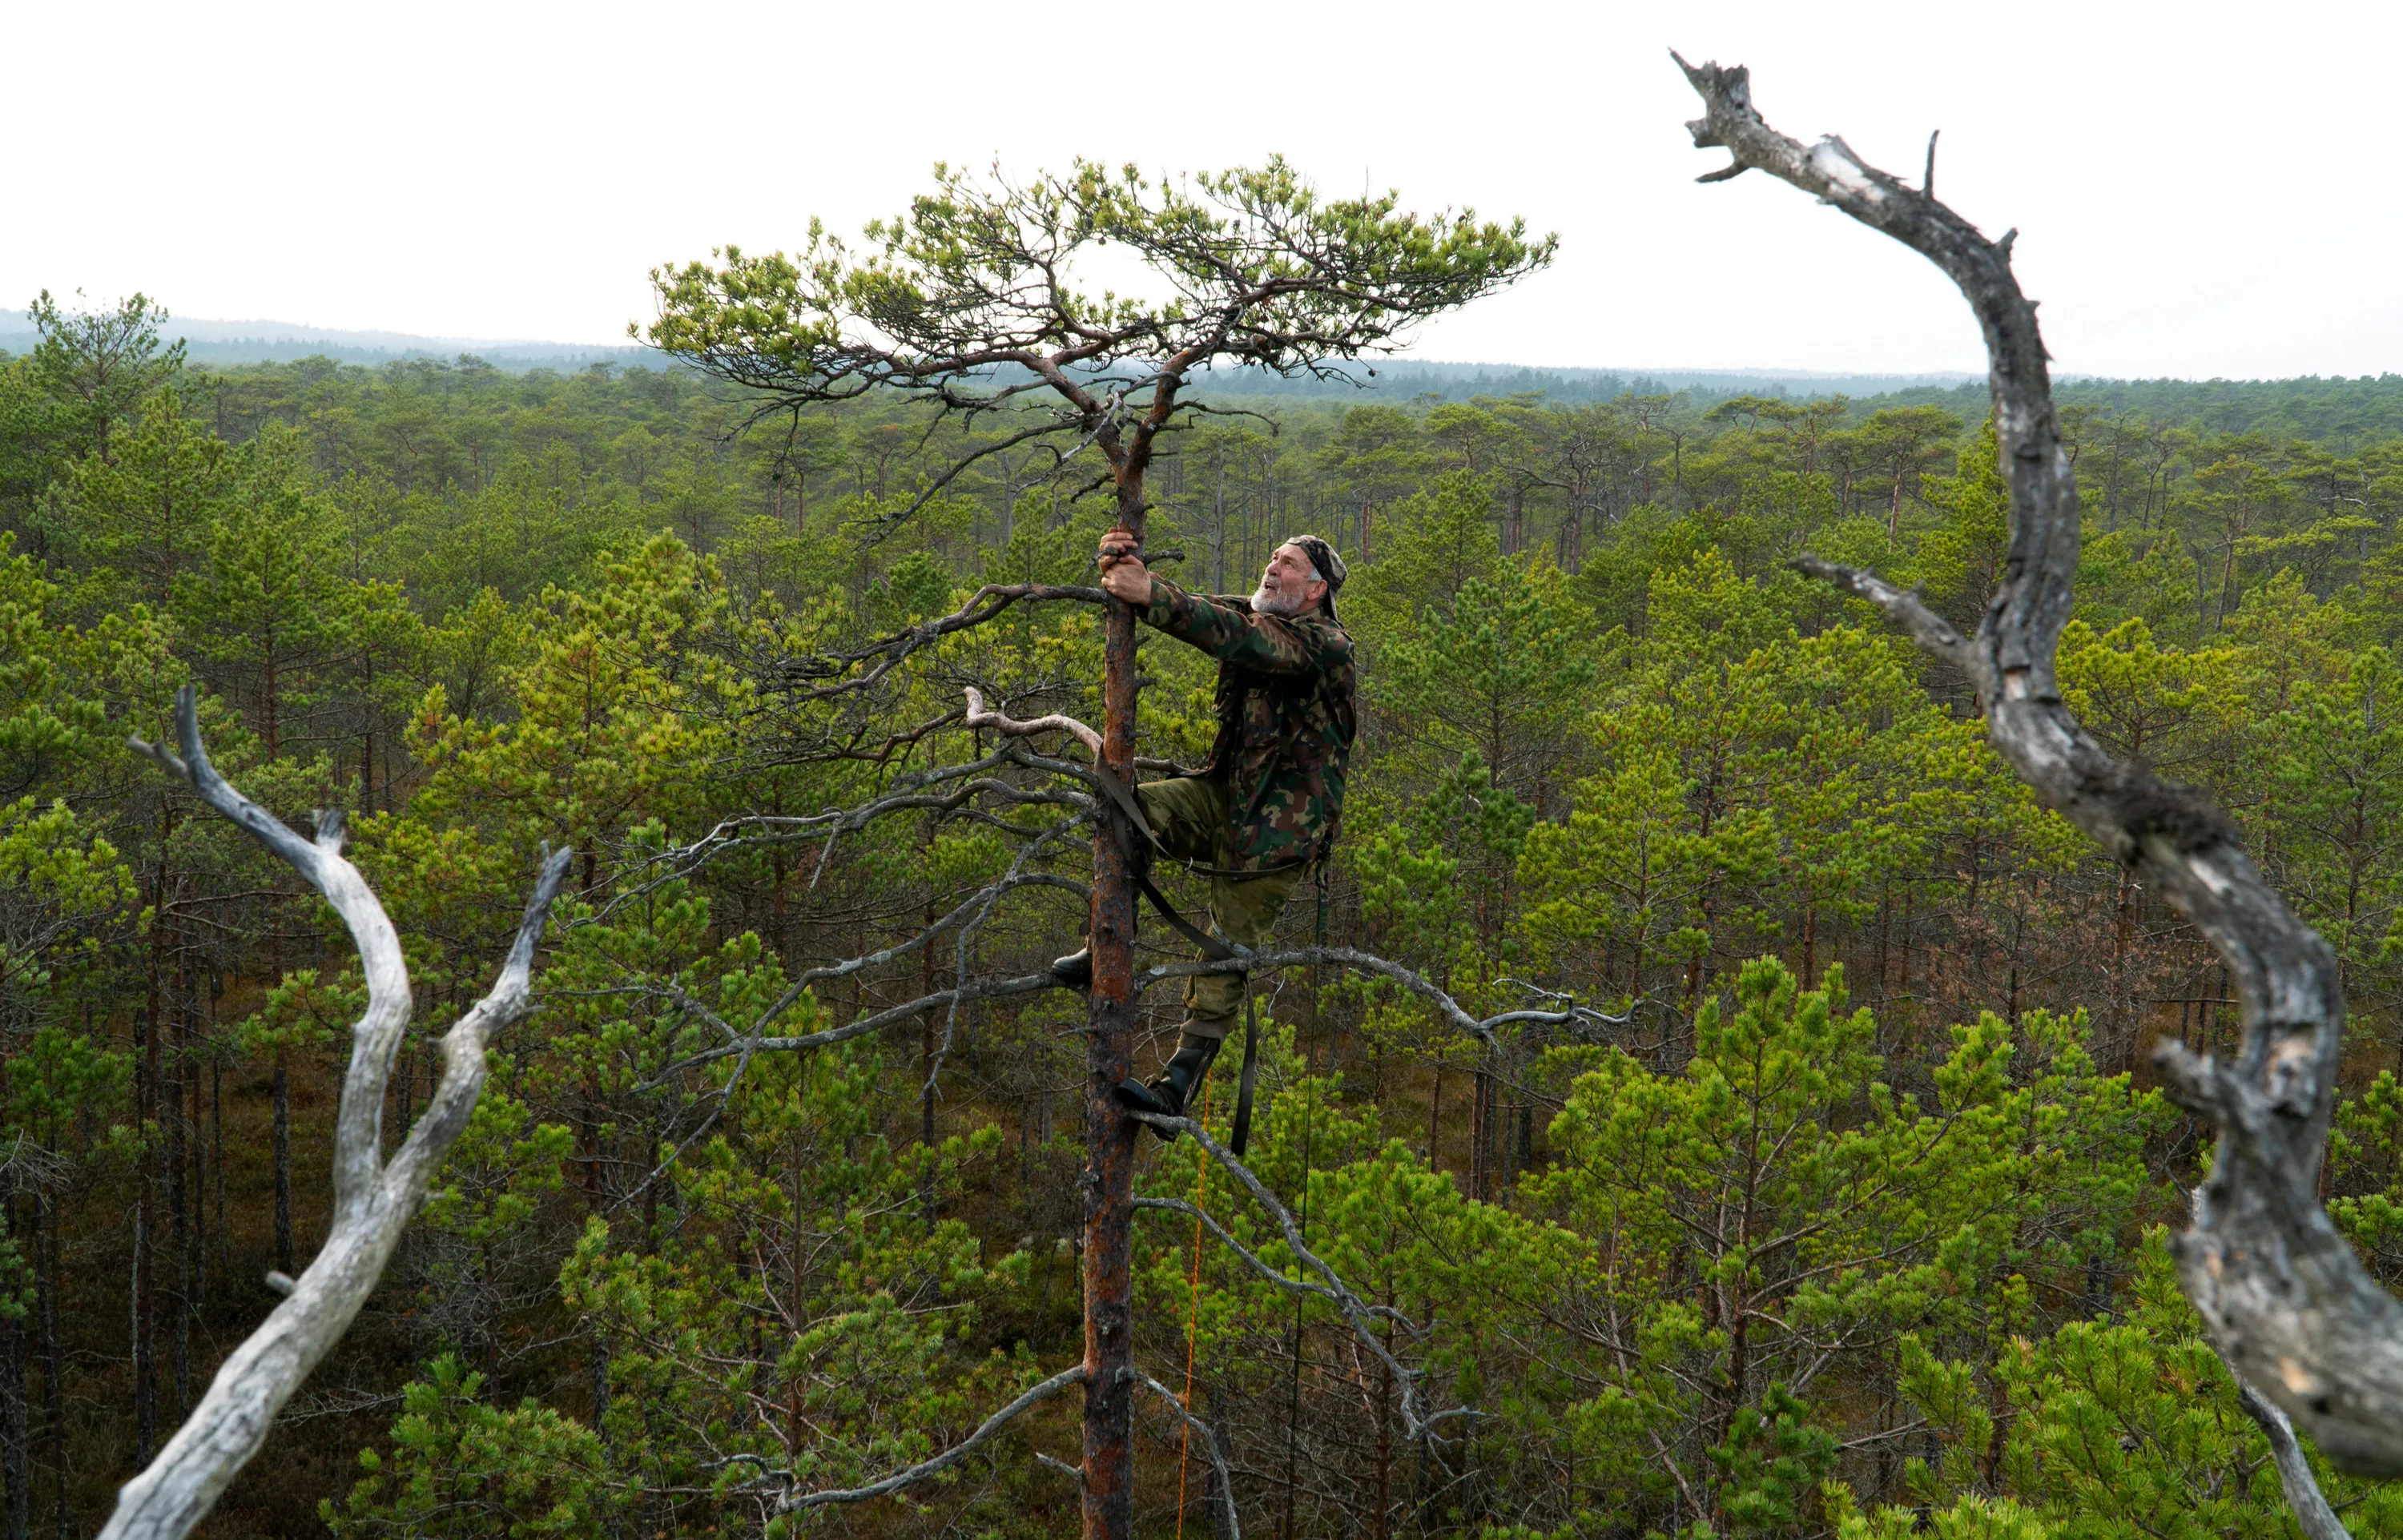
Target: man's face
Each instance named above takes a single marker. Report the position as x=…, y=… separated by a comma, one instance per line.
x=1289, y=586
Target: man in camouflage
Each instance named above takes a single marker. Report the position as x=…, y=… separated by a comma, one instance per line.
x=1267, y=803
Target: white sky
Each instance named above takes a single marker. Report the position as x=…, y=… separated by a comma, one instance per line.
x=2201, y=188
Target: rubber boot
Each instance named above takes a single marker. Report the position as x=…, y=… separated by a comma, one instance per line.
x=1173, y=1092
x=1074, y=971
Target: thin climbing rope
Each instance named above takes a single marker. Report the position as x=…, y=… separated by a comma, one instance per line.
x=1192, y=1320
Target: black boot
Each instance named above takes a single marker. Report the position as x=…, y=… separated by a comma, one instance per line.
x=1173, y=1092
x=1074, y=971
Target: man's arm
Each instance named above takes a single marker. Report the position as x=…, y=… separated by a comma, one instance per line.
x=1227, y=630
x=1266, y=644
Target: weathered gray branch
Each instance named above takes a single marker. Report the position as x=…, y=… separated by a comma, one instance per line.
x=2310, y=1506
x=743, y=1047
x=1259, y=1264
x=1357, y=1312
x=979, y=717
x=2285, y=1296
x=891, y=652
x=756, y=831
x=1369, y=963
x=374, y=1198
x=1210, y=1446
x=985, y=1432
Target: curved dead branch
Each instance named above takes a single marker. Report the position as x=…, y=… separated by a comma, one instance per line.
x=990, y=1427
x=1369, y=963
x=979, y=717
x=961, y=784
x=1210, y=1445
x=374, y=1198
x=888, y=653
x=1356, y=1312
x=743, y=1047
x=1013, y=877
x=2317, y=1519
x=2282, y=1292
x=1260, y=1265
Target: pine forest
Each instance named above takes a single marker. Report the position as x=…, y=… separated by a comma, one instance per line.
x=1704, y=1090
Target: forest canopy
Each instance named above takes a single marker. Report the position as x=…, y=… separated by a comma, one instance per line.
x=1830, y=1199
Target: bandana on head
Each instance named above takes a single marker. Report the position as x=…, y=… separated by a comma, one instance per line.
x=1329, y=567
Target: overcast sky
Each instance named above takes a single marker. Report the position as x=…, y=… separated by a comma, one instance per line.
x=2200, y=189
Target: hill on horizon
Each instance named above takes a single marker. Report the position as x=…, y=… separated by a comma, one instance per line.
x=2338, y=408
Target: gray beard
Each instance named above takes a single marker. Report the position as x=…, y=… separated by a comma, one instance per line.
x=1264, y=603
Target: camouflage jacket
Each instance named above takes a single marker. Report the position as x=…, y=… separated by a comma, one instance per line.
x=1286, y=717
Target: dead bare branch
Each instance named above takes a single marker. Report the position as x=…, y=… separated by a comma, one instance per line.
x=1035, y=1397
x=1417, y=983
x=1133, y=1376
x=1259, y=1264
x=979, y=717
x=990, y=989
x=373, y=1199
x=1357, y=1312
x=888, y=653
x=2310, y=1506
x=2285, y=1299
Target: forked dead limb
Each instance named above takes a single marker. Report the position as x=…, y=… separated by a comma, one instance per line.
x=374, y=1198
x=2284, y=1298
x=1034, y=1395
x=1410, y=978
x=1231, y=1525
x=979, y=717
x=1259, y=1264
x=1356, y=1312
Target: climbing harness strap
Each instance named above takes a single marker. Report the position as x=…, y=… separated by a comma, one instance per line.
x=1243, y=1133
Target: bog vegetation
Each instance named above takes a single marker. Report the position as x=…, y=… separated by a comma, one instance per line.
x=1829, y=1197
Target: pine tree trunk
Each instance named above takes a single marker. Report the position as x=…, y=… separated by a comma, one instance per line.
x=1218, y=546
x=283, y=1167
x=46, y=1275
x=2122, y=1053
x=1383, y=1521
x=1479, y=1091
x=171, y=1104
x=180, y=1240
x=599, y=1370
x=217, y=1163
x=1435, y=1120
x=145, y=1209
x=197, y=1125
x=1109, y=1134
x=926, y=1046
x=15, y=1430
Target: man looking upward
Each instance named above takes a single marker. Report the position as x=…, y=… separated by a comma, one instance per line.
x=1268, y=802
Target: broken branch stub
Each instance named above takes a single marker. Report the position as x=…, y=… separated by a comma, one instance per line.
x=2285, y=1296
x=374, y=1198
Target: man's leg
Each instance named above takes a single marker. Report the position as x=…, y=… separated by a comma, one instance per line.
x=1186, y=813
x=1190, y=815
x=1245, y=910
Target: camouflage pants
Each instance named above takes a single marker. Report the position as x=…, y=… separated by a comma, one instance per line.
x=1190, y=815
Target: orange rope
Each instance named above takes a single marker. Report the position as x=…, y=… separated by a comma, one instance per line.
x=1192, y=1320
